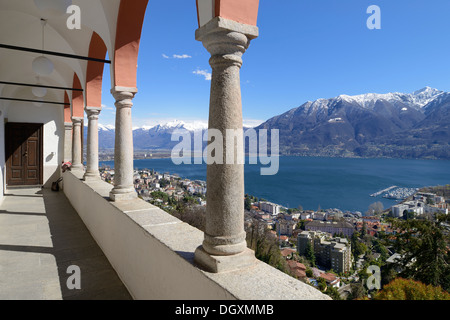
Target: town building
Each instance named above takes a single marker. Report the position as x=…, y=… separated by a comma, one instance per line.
x=269, y=207
x=334, y=253
x=333, y=227
x=321, y=216
x=285, y=227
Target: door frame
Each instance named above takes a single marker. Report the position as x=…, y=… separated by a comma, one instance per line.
x=40, y=149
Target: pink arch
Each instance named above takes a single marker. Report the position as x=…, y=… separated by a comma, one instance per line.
x=67, y=108
x=77, y=99
x=128, y=35
x=94, y=73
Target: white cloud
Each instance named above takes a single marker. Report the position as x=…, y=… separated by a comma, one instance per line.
x=176, y=56
x=105, y=107
x=181, y=56
x=204, y=73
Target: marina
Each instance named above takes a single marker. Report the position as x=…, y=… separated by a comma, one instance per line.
x=376, y=194
x=400, y=193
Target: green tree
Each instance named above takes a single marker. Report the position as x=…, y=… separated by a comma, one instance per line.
x=423, y=246
x=381, y=249
x=408, y=215
x=247, y=203
x=301, y=225
x=333, y=293
x=309, y=254
x=322, y=284
x=358, y=291
x=363, y=230
x=164, y=183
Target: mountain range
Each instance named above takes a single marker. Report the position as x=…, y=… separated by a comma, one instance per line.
x=399, y=125
x=149, y=137
x=415, y=125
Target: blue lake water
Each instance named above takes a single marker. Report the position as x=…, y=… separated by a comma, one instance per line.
x=342, y=183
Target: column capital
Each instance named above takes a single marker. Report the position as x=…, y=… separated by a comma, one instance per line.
x=123, y=96
x=93, y=112
x=68, y=125
x=226, y=40
x=77, y=120
x=93, y=109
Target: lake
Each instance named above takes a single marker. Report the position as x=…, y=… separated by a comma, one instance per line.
x=343, y=183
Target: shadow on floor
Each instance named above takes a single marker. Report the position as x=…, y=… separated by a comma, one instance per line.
x=73, y=245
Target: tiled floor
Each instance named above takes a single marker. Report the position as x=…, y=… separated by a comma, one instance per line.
x=41, y=235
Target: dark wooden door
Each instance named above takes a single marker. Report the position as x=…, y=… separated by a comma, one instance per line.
x=23, y=154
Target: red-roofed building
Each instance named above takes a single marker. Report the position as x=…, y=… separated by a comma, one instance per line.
x=287, y=253
x=297, y=269
x=331, y=279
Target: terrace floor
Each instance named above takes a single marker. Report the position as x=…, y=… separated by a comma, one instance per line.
x=41, y=235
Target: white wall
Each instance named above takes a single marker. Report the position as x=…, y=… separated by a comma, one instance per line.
x=2, y=152
x=52, y=118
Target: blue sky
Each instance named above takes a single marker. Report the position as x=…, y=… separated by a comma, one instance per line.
x=307, y=49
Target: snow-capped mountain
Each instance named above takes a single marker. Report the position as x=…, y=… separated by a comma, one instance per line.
x=368, y=125
x=106, y=127
x=176, y=124
x=149, y=137
x=416, y=100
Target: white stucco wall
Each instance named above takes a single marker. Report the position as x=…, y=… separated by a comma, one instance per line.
x=52, y=118
x=2, y=152
x=153, y=252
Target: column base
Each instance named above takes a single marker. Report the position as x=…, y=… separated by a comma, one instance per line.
x=219, y=264
x=122, y=196
x=77, y=167
x=91, y=177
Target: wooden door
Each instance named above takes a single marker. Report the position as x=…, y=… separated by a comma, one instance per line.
x=23, y=154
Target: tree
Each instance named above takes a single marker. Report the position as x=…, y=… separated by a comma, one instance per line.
x=309, y=254
x=423, y=246
x=404, y=289
x=247, y=203
x=322, y=284
x=381, y=249
x=301, y=225
x=358, y=247
x=375, y=208
x=364, y=229
x=265, y=246
x=164, y=183
x=408, y=215
x=358, y=291
x=333, y=293
x=309, y=272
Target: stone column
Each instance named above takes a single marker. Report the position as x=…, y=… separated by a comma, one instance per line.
x=68, y=141
x=92, y=172
x=123, y=152
x=224, y=247
x=76, y=143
